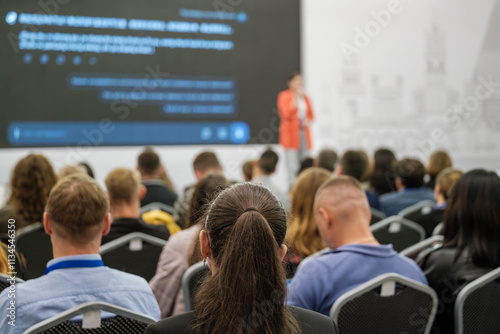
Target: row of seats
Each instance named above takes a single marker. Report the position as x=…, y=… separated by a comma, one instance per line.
x=389, y=303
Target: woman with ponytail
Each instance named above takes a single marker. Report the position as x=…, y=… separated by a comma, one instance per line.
x=242, y=241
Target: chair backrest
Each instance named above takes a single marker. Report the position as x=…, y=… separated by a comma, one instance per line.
x=135, y=253
x=191, y=281
x=35, y=247
x=477, y=307
x=312, y=256
x=157, y=206
x=417, y=210
x=398, y=231
x=6, y=281
x=389, y=303
x=438, y=230
x=125, y=322
x=413, y=251
x=376, y=216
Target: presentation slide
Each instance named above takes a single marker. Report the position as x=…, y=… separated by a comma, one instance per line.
x=150, y=72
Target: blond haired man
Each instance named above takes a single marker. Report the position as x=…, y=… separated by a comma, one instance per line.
x=125, y=192
x=76, y=217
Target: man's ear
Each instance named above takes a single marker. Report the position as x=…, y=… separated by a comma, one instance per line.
x=46, y=223
x=198, y=174
x=107, y=224
x=161, y=171
x=204, y=244
x=325, y=217
x=142, y=191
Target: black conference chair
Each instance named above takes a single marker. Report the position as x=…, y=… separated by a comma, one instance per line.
x=389, y=303
x=35, y=247
x=376, y=216
x=413, y=251
x=135, y=253
x=478, y=304
x=398, y=231
x=417, y=210
x=191, y=281
x=438, y=230
x=157, y=206
x=124, y=322
x=6, y=281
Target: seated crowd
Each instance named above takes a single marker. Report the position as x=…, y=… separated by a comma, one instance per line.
x=253, y=235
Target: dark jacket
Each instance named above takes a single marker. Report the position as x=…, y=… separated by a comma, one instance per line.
x=447, y=278
x=124, y=226
x=310, y=323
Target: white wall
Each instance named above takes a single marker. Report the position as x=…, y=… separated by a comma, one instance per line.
x=399, y=50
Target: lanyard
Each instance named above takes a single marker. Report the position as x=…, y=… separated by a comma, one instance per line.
x=74, y=264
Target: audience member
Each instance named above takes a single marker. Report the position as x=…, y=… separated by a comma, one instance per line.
x=262, y=172
x=383, y=177
x=355, y=164
x=327, y=158
x=470, y=247
x=76, y=217
x=410, y=184
x=125, y=192
x=438, y=161
x=302, y=237
x=30, y=183
x=173, y=262
x=242, y=241
x=343, y=216
x=247, y=170
x=204, y=163
x=444, y=181
x=88, y=169
x=149, y=165
x=305, y=163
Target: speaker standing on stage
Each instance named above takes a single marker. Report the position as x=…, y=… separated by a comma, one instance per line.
x=296, y=114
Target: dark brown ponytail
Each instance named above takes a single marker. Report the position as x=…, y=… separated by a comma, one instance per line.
x=246, y=225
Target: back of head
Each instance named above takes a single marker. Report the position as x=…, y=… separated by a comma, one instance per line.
x=31, y=181
x=383, y=175
x=472, y=219
x=306, y=163
x=71, y=170
x=123, y=185
x=247, y=169
x=355, y=164
x=77, y=207
x=327, y=159
x=411, y=172
x=446, y=179
x=268, y=161
x=204, y=192
x=438, y=161
x=302, y=230
x=148, y=162
x=245, y=225
x=205, y=162
x=345, y=199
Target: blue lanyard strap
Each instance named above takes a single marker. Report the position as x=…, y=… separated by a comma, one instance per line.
x=74, y=264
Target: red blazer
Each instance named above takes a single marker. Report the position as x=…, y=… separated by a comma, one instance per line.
x=290, y=123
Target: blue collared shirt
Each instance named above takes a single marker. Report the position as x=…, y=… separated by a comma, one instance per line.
x=320, y=281
x=392, y=203
x=62, y=289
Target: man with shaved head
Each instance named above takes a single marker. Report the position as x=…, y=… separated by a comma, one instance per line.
x=343, y=216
